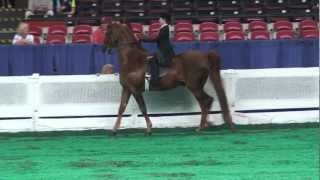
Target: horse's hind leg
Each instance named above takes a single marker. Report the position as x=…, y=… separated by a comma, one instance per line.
x=142, y=106
x=124, y=101
x=205, y=102
x=217, y=83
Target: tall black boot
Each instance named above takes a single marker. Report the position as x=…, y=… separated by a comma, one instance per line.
x=154, y=80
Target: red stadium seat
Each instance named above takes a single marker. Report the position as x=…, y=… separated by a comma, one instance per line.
x=184, y=36
x=308, y=24
x=82, y=29
x=81, y=38
x=57, y=29
x=285, y=34
x=36, y=40
x=208, y=26
x=282, y=25
x=154, y=26
x=232, y=26
x=260, y=35
x=153, y=34
x=154, y=30
x=314, y=33
x=209, y=36
x=258, y=25
x=56, y=39
x=234, y=35
x=183, y=27
x=35, y=30
x=136, y=27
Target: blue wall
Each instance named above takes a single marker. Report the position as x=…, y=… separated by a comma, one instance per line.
x=88, y=58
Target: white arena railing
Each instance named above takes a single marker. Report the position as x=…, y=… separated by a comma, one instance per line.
x=83, y=102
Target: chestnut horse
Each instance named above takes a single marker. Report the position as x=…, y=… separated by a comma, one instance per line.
x=192, y=68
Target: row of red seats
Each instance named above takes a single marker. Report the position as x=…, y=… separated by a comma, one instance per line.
x=184, y=31
x=234, y=31
x=61, y=39
x=228, y=26
x=185, y=27
x=239, y=35
x=189, y=36
x=57, y=34
x=61, y=29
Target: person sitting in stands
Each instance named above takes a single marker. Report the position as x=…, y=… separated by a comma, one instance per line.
x=98, y=35
x=68, y=6
x=23, y=37
x=107, y=69
x=40, y=7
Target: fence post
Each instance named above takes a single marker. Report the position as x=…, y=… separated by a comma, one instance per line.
x=34, y=93
x=229, y=82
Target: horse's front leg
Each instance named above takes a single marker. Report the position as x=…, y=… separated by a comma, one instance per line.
x=125, y=96
x=142, y=106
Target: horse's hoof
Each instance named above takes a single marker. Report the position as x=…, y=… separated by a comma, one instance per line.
x=147, y=133
x=198, y=130
x=114, y=132
x=232, y=128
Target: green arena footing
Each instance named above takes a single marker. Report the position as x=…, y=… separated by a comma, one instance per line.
x=253, y=152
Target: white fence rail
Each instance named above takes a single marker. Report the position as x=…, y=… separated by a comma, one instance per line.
x=51, y=103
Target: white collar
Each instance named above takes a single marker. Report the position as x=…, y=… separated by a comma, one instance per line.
x=163, y=25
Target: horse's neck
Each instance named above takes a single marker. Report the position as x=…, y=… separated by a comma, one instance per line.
x=126, y=43
x=123, y=54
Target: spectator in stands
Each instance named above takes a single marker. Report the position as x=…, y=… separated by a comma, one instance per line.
x=40, y=7
x=98, y=35
x=107, y=69
x=6, y=4
x=68, y=6
x=23, y=37
x=165, y=51
x=56, y=6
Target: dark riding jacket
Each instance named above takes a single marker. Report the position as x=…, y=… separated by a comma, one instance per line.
x=165, y=51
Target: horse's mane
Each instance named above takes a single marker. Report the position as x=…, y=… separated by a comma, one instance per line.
x=125, y=35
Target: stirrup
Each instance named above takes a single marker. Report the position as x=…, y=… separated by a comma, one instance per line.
x=149, y=58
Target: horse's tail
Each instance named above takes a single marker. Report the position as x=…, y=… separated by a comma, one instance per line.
x=215, y=77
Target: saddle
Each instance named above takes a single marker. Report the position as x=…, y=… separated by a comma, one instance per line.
x=163, y=70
